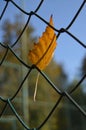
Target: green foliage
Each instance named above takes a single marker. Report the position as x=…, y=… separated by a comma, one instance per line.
x=83, y=67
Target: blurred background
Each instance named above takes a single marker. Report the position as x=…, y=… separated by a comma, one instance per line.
x=65, y=70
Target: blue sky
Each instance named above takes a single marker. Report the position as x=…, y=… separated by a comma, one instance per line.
x=68, y=52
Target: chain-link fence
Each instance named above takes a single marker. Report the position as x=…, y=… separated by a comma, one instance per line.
x=62, y=94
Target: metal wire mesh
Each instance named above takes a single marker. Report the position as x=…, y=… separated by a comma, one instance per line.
x=62, y=94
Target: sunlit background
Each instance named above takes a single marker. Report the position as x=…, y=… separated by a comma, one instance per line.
x=67, y=50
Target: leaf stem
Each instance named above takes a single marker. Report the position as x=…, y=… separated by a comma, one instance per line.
x=35, y=92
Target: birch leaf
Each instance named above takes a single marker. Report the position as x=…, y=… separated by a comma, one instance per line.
x=42, y=52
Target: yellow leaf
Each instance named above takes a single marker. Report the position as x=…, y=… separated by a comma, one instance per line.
x=42, y=52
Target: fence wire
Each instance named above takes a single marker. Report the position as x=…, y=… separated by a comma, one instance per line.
x=62, y=94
